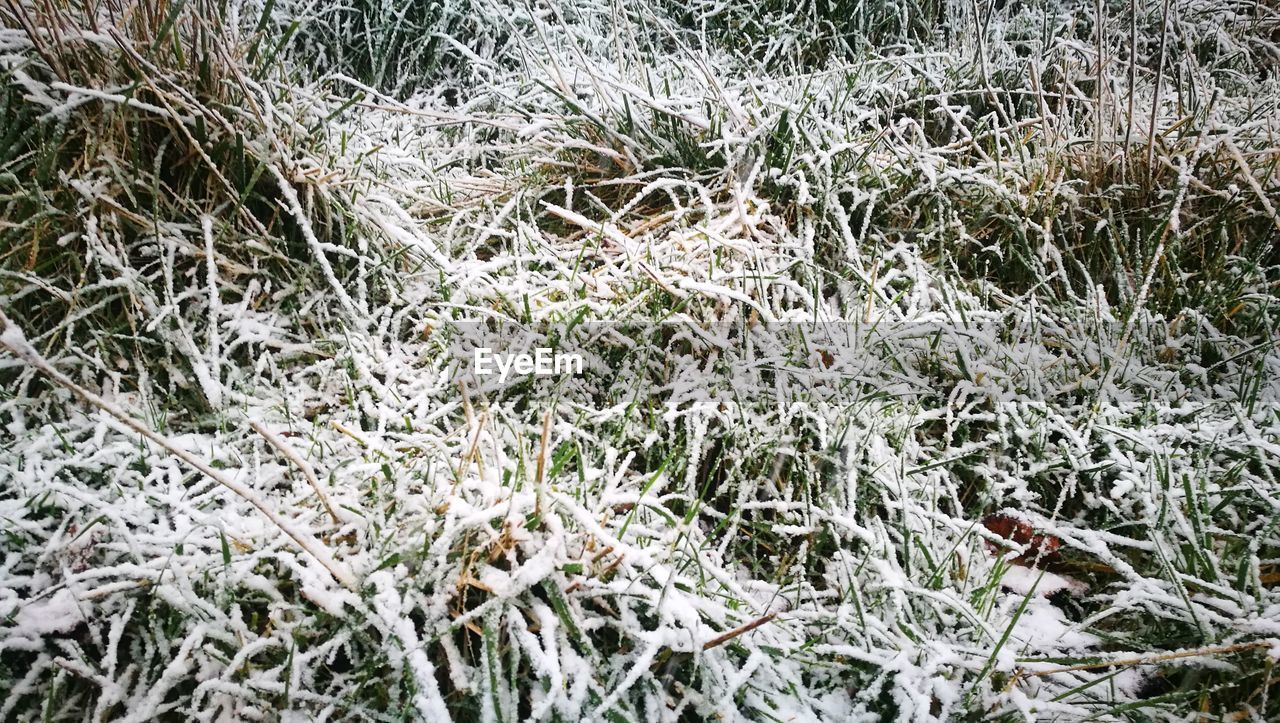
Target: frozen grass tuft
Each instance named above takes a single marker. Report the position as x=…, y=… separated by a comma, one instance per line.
x=855, y=279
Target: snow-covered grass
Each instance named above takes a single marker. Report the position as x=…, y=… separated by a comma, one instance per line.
x=851, y=279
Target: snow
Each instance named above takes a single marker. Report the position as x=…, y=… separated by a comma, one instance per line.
x=1028, y=581
x=58, y=613
x=1043, y=626
x=11, y=337
x=795, y=403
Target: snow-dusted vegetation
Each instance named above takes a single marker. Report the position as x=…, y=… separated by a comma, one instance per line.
x=930, y=366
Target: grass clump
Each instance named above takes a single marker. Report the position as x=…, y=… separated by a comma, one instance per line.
x=148, y=179
x=814, y=33
x=396, y=46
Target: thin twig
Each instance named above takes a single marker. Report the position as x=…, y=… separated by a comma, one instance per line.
x=12, y=338
x=1151, y=659
x=740, y=630
x=1133, y=74
x=1155, y=98
x=303, y=465
x=542, y=461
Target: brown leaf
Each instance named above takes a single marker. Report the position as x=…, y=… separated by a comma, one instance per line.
x=1040, y=547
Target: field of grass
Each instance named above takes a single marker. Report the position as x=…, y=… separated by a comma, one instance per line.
x=930, y=366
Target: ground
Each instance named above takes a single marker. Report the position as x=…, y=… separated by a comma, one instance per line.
x=927, y=360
